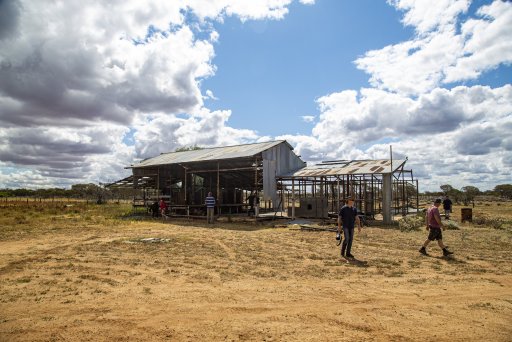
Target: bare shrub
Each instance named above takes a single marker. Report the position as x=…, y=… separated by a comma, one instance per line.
x=451, y=226
x=493, y=222
x=411, y=223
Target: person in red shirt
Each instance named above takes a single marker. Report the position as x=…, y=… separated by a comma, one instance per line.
x=434, y=225
x=163, y=208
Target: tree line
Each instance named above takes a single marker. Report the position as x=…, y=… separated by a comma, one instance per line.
x=80, y=191
x=94, y=191
x=468, y=193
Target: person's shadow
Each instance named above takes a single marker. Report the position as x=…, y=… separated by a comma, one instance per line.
x=451, y=259
x=355, y=262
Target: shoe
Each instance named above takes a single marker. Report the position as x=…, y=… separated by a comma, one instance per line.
x=446, y=252
x=349, y=255
x=423, y=251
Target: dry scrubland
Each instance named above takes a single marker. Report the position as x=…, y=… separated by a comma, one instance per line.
x=82, y=273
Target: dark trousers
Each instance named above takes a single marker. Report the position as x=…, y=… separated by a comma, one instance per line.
x=346, y=246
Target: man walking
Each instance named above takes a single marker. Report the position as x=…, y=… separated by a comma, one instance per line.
x=210, y=208
x=347, y=218
x=434, y=224
x=447, y=206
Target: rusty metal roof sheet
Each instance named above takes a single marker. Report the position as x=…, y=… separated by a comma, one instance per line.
x=353, y=167
x=208, y=154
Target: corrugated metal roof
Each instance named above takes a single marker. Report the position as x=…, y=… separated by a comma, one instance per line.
x=353, y=167
x=208, y=154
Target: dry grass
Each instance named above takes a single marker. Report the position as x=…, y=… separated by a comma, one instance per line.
x=84, y=273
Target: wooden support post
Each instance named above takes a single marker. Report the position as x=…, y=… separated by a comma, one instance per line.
x=338, y=194
x=157, y=183
x=170, y=190
x=313, y=187
x=185, y=187
x=417, y=196
x=293, y=198
x=256, y=174
x=193, y=180
x=218, y=189
x=282, y=197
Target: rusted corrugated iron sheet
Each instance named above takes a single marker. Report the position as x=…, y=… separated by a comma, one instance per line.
x=208, y=154
x=354, y=167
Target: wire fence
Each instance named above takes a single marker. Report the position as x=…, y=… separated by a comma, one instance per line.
x=32, y=200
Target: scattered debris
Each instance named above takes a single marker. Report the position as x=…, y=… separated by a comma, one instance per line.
x=316, y=229
x=299, y=222
x=149, y=240
x=154, y=240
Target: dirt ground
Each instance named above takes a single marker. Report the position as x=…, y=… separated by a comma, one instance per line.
x=93, y=278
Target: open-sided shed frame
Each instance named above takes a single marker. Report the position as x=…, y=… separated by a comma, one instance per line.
x=377, y=186
x=281, y=179
x=184, y=178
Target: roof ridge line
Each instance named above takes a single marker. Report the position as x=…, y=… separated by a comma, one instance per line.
x=211, y=148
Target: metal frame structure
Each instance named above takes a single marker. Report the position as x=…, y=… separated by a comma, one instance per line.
x=377, y=186
x=279, y=176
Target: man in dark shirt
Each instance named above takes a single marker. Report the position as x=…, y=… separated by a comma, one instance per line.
x=447, y=206
x=154, y=209
x=347, y=218
x=250, y=201
x=210, y=208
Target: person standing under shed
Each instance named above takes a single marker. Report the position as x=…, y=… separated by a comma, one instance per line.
x=256, y=204
x=435, y=225
x=347, y=218
x=210, y=208
x=154, y=209
x=163, y=208
x=250, y=201
x=447, y=206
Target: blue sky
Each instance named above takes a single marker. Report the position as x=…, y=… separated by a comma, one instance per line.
x=287, y=64
x=89, y=88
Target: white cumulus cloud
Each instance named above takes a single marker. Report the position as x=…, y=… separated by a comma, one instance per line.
x=79, y=78
x=439, y=53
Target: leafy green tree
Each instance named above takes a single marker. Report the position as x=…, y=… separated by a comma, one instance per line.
x=188, y=148
x=504, y=190
x=456, y=195
x=22, y=192
x=89, y=191
x=410, y=190
x=447, y=188
x=470, y=192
